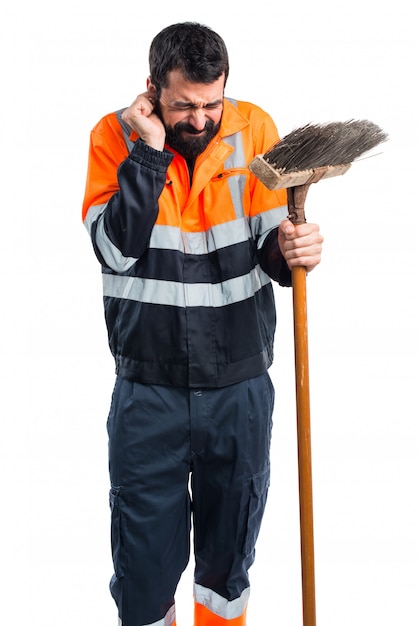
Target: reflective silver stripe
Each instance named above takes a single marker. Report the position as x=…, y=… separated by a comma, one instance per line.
x=217, y=237
x=228, y=234
x=126, y=129
x=173, y=293
x=219, y=605
x=232, y=101
x=236, y=160
x=92, y=215
x=263, y=223
x=168, y=619
x=166, y=237
x=112, y=256
x=236, y=186
x=172, y=238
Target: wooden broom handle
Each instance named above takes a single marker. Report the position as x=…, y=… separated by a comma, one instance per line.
x=296, y=203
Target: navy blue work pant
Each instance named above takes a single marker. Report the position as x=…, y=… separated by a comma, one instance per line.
x=160, y=438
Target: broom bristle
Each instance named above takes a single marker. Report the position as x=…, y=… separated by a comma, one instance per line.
x=318, y=145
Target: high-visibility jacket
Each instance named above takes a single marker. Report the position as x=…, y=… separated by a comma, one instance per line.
x=186, y=265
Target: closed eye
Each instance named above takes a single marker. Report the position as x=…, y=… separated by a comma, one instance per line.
x=189, y=106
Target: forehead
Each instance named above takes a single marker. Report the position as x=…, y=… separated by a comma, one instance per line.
x=181, y=90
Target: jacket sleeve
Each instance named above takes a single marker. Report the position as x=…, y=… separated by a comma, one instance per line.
x=122, y=191
x=272, y=260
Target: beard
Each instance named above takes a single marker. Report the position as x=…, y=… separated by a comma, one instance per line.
x=195, y=142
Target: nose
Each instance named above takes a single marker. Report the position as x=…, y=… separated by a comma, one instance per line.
x=198, y=119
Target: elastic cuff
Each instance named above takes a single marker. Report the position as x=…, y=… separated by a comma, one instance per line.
x=146, y=155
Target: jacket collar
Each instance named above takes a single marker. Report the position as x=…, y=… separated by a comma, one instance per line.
x=233, y=121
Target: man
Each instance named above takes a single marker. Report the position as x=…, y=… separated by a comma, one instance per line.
x=188, y=241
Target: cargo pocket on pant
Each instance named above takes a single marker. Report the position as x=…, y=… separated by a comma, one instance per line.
x=117, y=541
x=256, y=505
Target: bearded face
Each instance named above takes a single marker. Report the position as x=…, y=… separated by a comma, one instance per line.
x=191, y=113
x=187, y=140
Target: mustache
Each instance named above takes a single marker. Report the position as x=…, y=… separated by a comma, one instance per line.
x=188, y=128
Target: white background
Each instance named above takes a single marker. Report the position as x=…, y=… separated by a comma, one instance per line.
x=64, y=65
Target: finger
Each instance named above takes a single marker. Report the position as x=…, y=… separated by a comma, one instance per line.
x=309, y=262
x=304, y=240
x=136, y=111
x=286, y=227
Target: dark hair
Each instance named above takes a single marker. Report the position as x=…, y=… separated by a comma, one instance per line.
x=194, y=49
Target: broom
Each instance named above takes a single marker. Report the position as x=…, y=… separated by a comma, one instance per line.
x=305, y=156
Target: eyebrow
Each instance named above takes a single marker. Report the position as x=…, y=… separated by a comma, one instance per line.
x=185, y=104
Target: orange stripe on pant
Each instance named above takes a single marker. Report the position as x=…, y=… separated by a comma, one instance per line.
x=204, y=617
